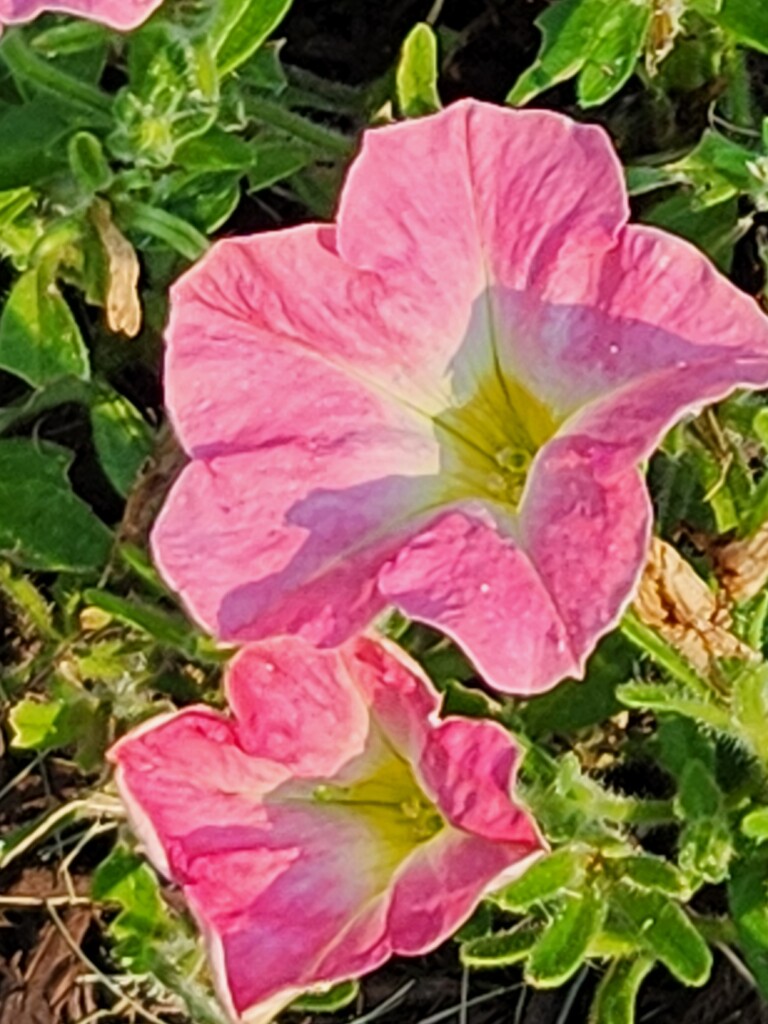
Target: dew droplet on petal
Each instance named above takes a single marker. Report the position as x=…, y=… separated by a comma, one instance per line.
x=484, y=588
x=613, y=349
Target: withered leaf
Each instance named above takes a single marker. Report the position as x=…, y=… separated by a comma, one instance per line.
x=664, y=29
x=674, y=600
x=122, y=304
x=742, y=565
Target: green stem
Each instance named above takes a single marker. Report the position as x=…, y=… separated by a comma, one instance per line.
x=649, y=641
x=757, y=623
x=627, y=811
x=738, y=95
x=314, y=134
x=66, y=389
x=26, y=66
x=31, y=602
x=717, y=930
x=177, y=234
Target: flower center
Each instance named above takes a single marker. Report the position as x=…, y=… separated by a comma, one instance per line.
x=490, y=440
x=390, y=799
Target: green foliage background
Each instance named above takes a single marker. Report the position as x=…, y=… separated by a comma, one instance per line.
x=125, y=155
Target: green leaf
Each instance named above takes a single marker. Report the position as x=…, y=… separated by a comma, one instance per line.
x=563, y=945
x=599, y=40
x=13, y=203
x=72, y=719
x=612, y=58
x=239, y=28
x=643, y=178
x=171, y=630
x=28, y=600
x=88, y=162
x=217, y=150
x=747, y=22
x=663, y=654
x=275, y=161
x=43, y=525
x=501, y=949
x=699, y=795
x=125, y=879
x=667, y=932
x=750, y=707
x=748, y=898
x=650, y=872
x=616, y=995
x=32, y=140
x=39, y=338
x=417, y=71
x=717, y=169
x=576, y=705
x=755, y=824
x=172, y=231
x=203, y=200
x=715, y=229
x=673, y=699
x=40, y=726
x=548, y=877
x=331, y=1001
x=122, y=437
x=679, y=741
x=705, y=846
x=265, y=70
x=173, y=95
x=75, y=37
x=150, y=939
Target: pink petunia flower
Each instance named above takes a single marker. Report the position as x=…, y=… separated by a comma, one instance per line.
x=442, y=401
x=118, y=14
x=332, y=821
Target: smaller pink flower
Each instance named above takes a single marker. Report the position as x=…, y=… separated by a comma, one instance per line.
x=122, y=15
x=332, y=821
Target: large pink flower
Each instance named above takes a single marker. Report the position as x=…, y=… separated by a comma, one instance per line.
x=441, y=402
x=332, y=821
x=119, y=14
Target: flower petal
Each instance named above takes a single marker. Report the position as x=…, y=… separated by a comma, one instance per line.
x=281, y=307
x=585, y=523
x=635, y=418
x=402, y=699
x=297, y=706
x=120, y=14
x=479, y=194
x=288, y=538
x=462, y=576
x=503, y=197
x=443, y=882
x=651, y=303
x=470, y=767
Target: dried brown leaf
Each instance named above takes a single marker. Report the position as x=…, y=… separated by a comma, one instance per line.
x=674, y=600
x=122, y=303
x=742, y=565
x=151, y=487
x=664, y=28
x=44, y=985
